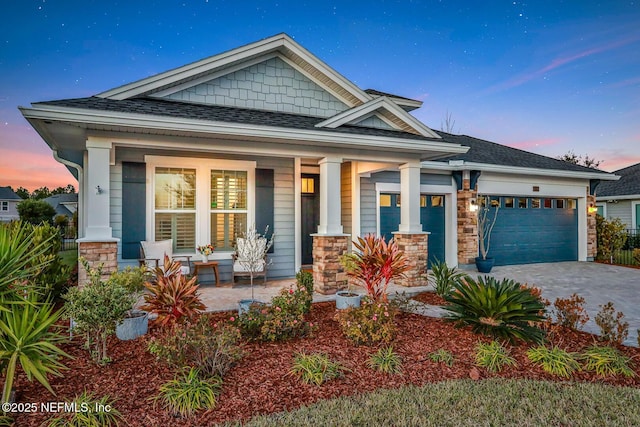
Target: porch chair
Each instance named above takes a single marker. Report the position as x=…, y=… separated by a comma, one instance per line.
x=240, y=269
x=152, y=255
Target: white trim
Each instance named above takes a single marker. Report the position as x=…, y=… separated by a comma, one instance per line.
x=612, y=198
x=355, y=203
x=604, y=208
x=634, y=219
x=203, y=169
x=297, y=215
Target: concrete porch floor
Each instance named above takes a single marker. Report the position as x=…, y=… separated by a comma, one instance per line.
x=225, y=297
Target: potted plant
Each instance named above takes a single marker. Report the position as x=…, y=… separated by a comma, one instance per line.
x=346, y=298
x=486, y=221
x=136, y=321
x=205, y=251
x=251, y=256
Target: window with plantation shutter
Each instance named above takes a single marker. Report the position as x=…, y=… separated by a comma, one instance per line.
x=175, y=207
x=228, y=207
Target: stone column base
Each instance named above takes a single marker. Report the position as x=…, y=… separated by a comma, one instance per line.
x=96, y=253
x=328, y=275
x=415, y=248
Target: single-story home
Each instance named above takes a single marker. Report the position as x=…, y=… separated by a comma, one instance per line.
x=9, y=205
x=64, y=204
x=268, y=134
x=621, y=199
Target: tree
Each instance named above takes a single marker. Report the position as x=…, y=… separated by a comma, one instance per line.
x=36, y=211
x=448, y=124
x=41, y=193
x=577, y=159
x=69, y=189
x=23, y=193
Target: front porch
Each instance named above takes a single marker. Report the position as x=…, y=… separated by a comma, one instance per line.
x=225, y=297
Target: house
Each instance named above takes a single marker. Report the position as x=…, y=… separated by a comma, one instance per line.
x=269, y=134
x=64, y=204
x=621, y=199
x=9, y=205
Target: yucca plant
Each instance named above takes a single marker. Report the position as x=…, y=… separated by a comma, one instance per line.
x=172, y=297
x=386, y=360
x=554, y=360
x=375, y=263
x=501, y=309
x=188, y=392
x=315, y=368
x=606, y=361
x=28, y=337
x=493, y=356
x=443, y=277
x=101, y=413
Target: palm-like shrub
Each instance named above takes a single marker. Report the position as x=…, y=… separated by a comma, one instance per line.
x=188, y=392
x=501, y=309
x=554, y=360
x=443, y=277
x=28, y=337
x=315, y=368
x=172, y=297
x=375, y=264
x=97, y=416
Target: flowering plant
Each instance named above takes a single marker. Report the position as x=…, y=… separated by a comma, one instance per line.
x=206, y=249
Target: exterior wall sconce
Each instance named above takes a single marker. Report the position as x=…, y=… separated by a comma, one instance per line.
x=473, y=207
x=592, y=209
x=99, y=190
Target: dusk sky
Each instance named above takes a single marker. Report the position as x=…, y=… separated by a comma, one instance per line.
x=544, y=76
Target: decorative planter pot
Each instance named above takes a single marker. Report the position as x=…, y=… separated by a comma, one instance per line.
x=484, y=265
x=244, y=304
x=133, y=326
x=205, y=258
x=346, y=299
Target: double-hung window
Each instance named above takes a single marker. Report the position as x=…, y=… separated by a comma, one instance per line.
x=5, y=206
x=199, y=201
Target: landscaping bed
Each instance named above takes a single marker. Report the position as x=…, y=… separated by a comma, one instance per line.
x=260, y=383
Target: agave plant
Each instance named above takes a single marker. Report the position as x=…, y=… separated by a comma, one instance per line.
x=443, y=277
x=172, y=296
x=375, y=264
x=501, y=309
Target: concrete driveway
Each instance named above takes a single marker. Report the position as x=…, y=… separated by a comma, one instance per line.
x=596, y=283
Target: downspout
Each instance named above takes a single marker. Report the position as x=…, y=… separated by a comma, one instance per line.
x=77, y=167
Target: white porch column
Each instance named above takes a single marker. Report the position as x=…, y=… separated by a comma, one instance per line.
x=330, y=209
x=97, y=191
x=410, y=198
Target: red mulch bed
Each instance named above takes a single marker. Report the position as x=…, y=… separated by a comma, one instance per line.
x=259, y=384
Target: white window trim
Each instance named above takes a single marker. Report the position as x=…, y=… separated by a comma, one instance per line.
x=4, y=206
x=634, y=220
x=604, y=208
x=203, y=169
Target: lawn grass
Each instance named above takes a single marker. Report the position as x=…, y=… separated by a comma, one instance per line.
x=493, y=402
x=69, y=257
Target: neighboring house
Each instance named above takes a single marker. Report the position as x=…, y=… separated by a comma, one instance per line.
x=621, y=199
x=269, y=134
x=64, y=204
x=9, y=205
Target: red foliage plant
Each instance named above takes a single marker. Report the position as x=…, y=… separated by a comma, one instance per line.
x=172, y=296
x=375, y=264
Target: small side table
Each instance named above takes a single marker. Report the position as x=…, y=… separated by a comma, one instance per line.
x=198, y=265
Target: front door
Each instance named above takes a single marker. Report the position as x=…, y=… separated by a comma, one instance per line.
x=310, y=189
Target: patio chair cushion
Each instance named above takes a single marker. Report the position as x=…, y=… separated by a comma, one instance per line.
x=239, y=266
x=157, y=251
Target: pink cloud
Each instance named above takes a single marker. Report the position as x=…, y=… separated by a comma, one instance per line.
x=527, y=145
x=625, y=83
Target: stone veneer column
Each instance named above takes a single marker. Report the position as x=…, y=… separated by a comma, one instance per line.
x=328, y=274
x=97, y=253
x=592, y=236
x=467, y=226
x=415, y=247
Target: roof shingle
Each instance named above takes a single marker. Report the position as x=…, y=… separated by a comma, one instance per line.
x=627, y=185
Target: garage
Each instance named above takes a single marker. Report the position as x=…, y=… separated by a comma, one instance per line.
x=432, y=217
x=532, y=230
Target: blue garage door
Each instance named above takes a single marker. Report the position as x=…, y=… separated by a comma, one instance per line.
x=431, y=217
x=530, y=230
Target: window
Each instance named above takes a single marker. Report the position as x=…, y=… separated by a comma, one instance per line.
x=571, y=204
x=547, y=203
x=508, y=202
x=385, y=200
x=175, y=207
x=535, y=203
x=559, y=203
x=397, y=201
x=423, y=201
x=5, y=206
x=308, y=186
x=437, y=201
x=228, y=207
x=522, y=203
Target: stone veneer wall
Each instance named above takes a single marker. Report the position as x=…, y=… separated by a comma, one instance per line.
x=467, y=226
x=96, y=253
x=328, y=275
x=415, y=248
x=592, y=238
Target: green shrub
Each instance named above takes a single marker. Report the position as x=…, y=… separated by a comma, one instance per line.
x=96, y=309
x=612, y=328
x=90, y=412
x=499, y=309
x=131, y=278
x=304, y=283
x=493, y=356
x=606, y=361
x=611, y=236
x=371, y=323
x=570, y=311
x=386, y=360
x=213, y=350
x=442, y=278
x=315, y=368
x=35, y=211
x=636, y=256
x=29, y=338
x=554, y=361
x=188, y=393
x=442, y=356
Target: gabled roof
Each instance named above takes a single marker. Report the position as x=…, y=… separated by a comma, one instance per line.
x=406, y=103
x=628, y=185
x=61, y=203
x=6, y=193
x=491, y=153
